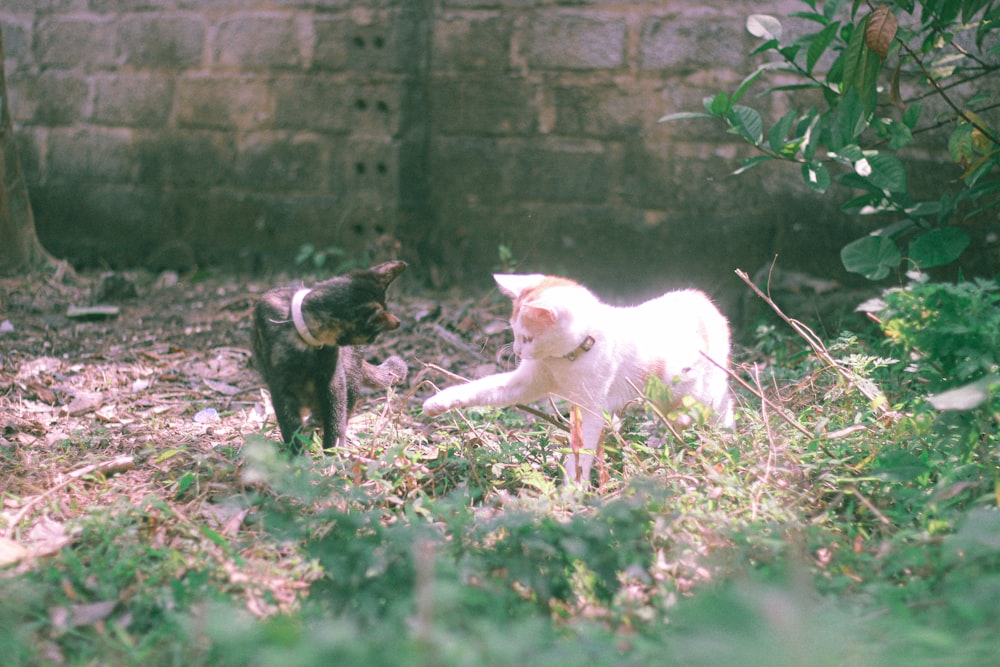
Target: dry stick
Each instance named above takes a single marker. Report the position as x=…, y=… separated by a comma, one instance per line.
x=870, y=392
x=115, y=465
x=867, y=503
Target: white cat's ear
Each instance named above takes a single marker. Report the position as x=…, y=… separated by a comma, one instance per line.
x=539, y=313
x=513, y=284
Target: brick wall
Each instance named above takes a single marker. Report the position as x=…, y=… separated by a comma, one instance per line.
x=234, y=131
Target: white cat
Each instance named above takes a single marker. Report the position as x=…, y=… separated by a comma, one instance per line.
x=594, y=355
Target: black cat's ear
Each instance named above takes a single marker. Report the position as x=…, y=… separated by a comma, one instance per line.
x=386, y=272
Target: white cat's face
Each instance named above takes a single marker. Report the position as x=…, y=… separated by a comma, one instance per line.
x=536, y=331
x=540, y=321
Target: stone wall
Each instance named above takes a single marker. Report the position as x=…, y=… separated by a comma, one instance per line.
x=231, y=132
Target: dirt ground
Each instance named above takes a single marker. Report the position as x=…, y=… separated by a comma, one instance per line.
x=132, y=379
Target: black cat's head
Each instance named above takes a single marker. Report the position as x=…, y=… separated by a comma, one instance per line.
x=350, y=309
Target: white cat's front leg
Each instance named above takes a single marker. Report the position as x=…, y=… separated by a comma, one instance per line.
x=578, y=464
x=495, y=390
x=448, y=399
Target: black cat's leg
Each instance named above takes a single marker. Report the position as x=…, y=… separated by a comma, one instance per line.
x=325, y=414
x=338, y=413
x=288, y=412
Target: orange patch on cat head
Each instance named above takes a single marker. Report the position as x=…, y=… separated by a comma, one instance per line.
x=529, y=294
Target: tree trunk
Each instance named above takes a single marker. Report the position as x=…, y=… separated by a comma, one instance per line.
x=20, y=250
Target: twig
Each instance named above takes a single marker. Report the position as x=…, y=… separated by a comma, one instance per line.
x=868, y=504
x=115, y=465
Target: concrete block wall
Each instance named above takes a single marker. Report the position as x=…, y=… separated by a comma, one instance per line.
x=233, y=131
x=545, y=138
x=214, y=131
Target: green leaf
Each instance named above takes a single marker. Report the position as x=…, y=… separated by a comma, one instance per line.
x=811, y=135
x=861, y=68
x=810, y=16
x=819, y=44
x=751, y=162
x=184, y=483
x=900, y=135
x=851, y=117
x=742, y=88
x=938, y=247
x=169, y=454
x=816, y=176
x=925, y=208
x=871, y=256
x=718, y=105
x=683, y=115
x=778, y=134
x=748, y=123
x=835, y=75
x=852, y=180
x=789, y=52
x=851, y=152
x=769, y=45
x=887, y=172
x=215, y=537
x=859, y=204
x=971, y=7
x=764, y=26
x=982, y=167
x=960, y=144
x=912, y=115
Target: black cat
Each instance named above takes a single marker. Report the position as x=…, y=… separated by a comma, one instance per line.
x=302, y=342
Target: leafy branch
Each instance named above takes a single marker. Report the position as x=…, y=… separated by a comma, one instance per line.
x=853, y=141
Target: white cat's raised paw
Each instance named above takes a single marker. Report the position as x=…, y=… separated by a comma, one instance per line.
x=434, y=406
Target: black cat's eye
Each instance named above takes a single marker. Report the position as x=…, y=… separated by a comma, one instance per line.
x=382, y=320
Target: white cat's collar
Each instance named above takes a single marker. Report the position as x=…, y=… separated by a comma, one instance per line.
x=299, y=321
x=584, y=347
